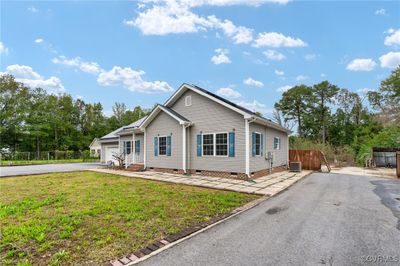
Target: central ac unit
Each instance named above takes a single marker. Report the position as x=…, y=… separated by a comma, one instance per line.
x=295, y=166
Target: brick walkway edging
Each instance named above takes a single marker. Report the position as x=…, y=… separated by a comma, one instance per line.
x=172, y=240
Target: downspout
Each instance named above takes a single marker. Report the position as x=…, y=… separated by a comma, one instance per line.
x=144, y=148
x=184, y=131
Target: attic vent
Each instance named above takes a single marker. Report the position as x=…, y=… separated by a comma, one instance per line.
x=188, y=100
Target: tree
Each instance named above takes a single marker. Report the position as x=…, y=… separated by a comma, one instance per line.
x=119, y=109
x=295, y=105
x=323, y=94
x=387, y=99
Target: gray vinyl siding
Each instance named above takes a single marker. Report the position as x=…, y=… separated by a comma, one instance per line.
x=281, y=155
x=140, y=156
x=164, y=125
x=211, y=117
x=103, y=150
x=258, y=163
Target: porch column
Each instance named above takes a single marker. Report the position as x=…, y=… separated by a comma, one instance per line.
x=133, y=149
x=247, y=143
x=144, y=148
x=184, y=148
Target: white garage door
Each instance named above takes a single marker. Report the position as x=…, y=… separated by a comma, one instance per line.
x=109, y=152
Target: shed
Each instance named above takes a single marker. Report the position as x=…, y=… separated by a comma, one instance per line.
x=385, y=157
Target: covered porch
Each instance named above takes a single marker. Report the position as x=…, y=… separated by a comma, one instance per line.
x=132, y=147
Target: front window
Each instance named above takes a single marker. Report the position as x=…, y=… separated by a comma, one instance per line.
x=258, y=143
x=127, y=147
x=208, y=144
x=221, y=144
x=162, y=145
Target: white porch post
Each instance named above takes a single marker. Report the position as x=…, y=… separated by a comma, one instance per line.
x=144, y=148
x=184, y=148
x=247, y=143
x=133, y=150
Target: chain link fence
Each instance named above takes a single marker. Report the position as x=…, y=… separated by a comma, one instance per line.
x=46, y=155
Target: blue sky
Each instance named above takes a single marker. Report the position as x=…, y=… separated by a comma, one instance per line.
x=139, y=52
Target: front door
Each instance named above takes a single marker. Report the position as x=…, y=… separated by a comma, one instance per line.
x=138, y=156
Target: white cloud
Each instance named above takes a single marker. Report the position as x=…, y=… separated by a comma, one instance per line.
x=275, y=39
x=253, y=82
x=284, y=88
x=274, y=55
x=32, y=79
x=39, y=40
x=390, y=60
x=323, y=75
x=176, y=16
x=380, y=12
x=3, y=49
x=301, y=77
x=361, y=64
x=33, y=9
x=132, y=80
x=310, y=57
x=279, y=72
x=221, y=57
x=88, y=67
x=255, y=106
x=228, y=93
x=394, y=37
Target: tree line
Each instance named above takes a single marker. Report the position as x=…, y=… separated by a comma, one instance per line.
x=34, y=120
x=326, y=114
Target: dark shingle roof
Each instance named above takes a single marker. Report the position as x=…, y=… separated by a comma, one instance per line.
x=175, y=113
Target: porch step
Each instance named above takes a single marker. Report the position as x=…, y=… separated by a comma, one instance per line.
x=136, y=167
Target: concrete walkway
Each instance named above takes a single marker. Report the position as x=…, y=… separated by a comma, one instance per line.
x=266, y=185
x=362, y=171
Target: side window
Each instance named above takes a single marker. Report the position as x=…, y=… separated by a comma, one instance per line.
x=221, y=144
x=162, y=145
x=258, y=143
x=127, y=147
x=277, y=143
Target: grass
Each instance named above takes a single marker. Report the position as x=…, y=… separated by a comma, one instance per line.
x=33, y=162
x=89, y=218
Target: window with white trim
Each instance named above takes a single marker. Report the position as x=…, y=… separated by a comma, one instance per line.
x=277, y=143
x=127, y=147
x=162, y=145
x=258, y=143
x=221, y=144
x=188, y=100
x=208, y=144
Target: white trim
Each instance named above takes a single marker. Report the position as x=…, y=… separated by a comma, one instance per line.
x=184, y=148
x=247, y=143
x=215, y=144
x=177, y=94
x=155, y=112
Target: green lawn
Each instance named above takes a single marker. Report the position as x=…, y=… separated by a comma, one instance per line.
x=31, y=162
x=88, y=217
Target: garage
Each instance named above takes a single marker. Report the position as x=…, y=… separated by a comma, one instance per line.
x=107, y=151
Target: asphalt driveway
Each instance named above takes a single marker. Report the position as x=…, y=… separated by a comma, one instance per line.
x=330, y=219
x=45, y=168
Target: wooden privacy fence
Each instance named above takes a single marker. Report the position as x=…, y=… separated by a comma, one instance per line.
x=310, y=159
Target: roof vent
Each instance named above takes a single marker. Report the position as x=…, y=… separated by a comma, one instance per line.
x=188, y=100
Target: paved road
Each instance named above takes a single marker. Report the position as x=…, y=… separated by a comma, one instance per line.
x=45, y=168
x=326, y=219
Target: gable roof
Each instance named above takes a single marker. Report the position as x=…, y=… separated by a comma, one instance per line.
x=93, y=141
x=178, y=117
x=114, y=134
x=231, y=105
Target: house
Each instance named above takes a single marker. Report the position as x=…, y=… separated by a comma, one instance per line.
x=95, y=148
x=198, y=132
